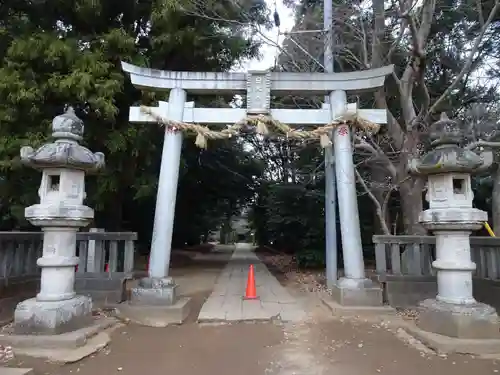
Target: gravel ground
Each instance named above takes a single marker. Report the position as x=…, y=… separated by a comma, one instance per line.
x=321, y=345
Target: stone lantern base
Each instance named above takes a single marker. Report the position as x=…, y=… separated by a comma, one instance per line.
x=474, y=321
x=52, y=318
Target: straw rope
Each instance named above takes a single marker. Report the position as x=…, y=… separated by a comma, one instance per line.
x=262, y=125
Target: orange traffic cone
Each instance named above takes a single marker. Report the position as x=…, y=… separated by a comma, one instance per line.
x=251, y=292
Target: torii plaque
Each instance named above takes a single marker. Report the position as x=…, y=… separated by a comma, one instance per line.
x=258, y=86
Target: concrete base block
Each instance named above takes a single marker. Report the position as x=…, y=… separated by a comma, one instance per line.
x=66, y=347
x=103, y=288
x=68, y=340
x=33, y=317
x=16, y=371
x=341, y=310
x=156, y=316
x=364, y=292
x=447, y=345
x=478, y=321
x=93, y=345
x=154, y=292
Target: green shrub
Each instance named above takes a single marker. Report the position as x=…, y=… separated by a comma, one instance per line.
x=311, y=258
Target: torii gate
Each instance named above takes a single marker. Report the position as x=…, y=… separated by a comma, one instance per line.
x=258, y=85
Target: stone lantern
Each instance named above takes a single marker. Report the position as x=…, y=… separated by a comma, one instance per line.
x=60, y=213
x=448, y=166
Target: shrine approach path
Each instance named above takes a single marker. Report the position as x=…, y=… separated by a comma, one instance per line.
x=319, y=345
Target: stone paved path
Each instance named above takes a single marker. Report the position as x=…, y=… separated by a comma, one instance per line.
x=226, y=302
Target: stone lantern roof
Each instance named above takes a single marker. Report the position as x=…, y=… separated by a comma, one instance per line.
x=64, y=152
x=67, y=125
x=447, y=155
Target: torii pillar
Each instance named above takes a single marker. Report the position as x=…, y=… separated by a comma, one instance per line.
x=353, y=288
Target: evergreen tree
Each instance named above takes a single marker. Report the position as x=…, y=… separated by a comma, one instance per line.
x=59, y=52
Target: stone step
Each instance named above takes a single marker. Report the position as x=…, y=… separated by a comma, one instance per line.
x=16, y=371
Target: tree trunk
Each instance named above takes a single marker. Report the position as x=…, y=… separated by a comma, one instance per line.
x=495, y=201
x=379, y=191
x=411, y=206
x=225, y=231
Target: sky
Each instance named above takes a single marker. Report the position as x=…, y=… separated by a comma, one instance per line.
x=269, y=51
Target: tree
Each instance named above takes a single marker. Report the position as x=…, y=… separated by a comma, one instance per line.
x=436, y=46
x=56, y=53
x=215, y=183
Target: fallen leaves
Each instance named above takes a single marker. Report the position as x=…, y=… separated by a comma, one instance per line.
x=6, y=353
x=286, y=265
x=407, y=313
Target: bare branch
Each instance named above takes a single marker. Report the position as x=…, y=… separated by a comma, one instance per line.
x=479, y=7
x=403, y=26
x=378, y=207
x=376, y=151
x=470, y=59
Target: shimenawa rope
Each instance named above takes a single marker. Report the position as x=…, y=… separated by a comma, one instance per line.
x=262, y=123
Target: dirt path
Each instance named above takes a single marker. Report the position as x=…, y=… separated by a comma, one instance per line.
x=185, y=350
x=327, y=345
x=322, y=345
x=189, y=349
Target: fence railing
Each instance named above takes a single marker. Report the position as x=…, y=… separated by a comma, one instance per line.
x=19, y=252
x=101, y=251
x=413, y=256
x=98, y=251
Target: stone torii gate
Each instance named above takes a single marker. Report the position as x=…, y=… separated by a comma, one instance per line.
x=353, y=288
